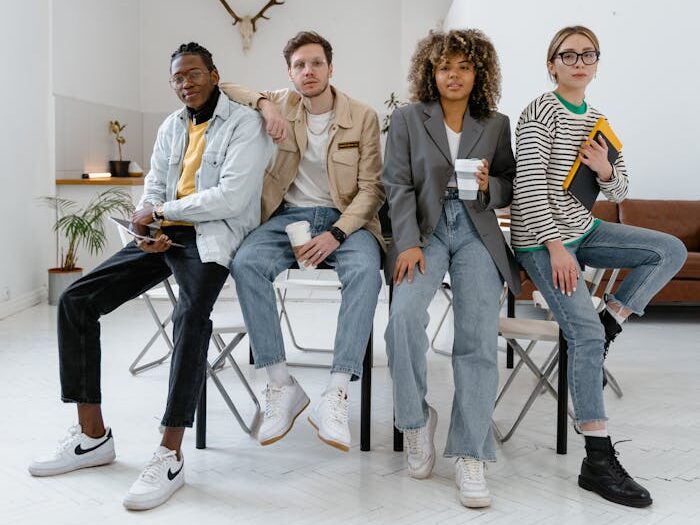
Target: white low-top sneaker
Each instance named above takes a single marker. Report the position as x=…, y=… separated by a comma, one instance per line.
x=282, y=407
x=469, y=475
x=75, y=451
x=159, y=480
x=330, y=418
x=420, y=447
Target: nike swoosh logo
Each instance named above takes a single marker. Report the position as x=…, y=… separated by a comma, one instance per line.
x=80, y=450
x=171, y=475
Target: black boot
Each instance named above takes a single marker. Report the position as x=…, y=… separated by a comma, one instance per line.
x=602, y=473
x=612, y=329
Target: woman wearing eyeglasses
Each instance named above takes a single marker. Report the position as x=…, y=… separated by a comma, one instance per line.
x=455, y=82
x=553, y=236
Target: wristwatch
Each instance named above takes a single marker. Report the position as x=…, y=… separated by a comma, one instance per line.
x=338, y=234
x=157, y=213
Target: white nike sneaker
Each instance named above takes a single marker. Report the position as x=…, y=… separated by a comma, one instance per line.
x=330, y=418
x=159, y=480
x=421, y=447
x=469, y=475
x=75, y=451
x=282, y=406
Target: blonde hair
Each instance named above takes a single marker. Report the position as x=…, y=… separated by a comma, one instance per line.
x=476, y=48
x=565, y=33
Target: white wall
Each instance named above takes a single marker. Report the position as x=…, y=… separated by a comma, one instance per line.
x=96, y=47
x=646, y=84
x=27, y=155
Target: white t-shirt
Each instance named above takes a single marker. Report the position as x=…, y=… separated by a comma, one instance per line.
x=310, y=187
x=453, y=140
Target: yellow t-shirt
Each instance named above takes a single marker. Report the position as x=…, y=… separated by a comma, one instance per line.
x=190, y=165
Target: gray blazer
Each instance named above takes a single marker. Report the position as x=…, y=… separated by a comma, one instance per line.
x=418, y=166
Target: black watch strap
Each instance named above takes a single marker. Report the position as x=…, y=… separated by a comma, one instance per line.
x=338, y=234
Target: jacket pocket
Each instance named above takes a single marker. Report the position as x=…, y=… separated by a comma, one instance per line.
x=345, y=170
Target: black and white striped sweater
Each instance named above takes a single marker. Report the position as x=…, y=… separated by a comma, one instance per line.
x=547, y=141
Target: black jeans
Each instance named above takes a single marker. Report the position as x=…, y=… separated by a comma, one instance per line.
x=124, y=276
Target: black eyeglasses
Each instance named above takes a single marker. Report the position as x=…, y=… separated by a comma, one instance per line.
x=570, y=58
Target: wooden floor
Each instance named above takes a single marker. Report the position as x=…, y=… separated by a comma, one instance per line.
x=300, y=480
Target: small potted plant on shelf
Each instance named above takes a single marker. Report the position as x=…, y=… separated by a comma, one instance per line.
x=84, y=227
x=118, y=168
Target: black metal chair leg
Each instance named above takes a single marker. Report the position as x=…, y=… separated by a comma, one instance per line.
x=201, y=416
x=511, y=313
x=398, y=440
x=562, y=396
x=366, y=397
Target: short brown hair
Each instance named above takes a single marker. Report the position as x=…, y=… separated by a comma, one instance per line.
x=565, y=33
x=303, y=38
x=477, y=49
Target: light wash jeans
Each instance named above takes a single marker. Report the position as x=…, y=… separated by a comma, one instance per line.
x=653, y=259
x=476, y=285
x=266, y=252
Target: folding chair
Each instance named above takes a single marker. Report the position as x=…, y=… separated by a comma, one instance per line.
x=226, y=323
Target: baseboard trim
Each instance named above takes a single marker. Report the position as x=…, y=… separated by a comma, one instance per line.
x=22, y=302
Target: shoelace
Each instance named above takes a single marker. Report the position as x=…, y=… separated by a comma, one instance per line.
x=339, y=406
x=154, y=469
x=413, y=439
x=614, y=462
x=472, y=469
x=73, y=433
x=273, y=395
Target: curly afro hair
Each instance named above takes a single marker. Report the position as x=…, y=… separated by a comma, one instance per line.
x=477, y=49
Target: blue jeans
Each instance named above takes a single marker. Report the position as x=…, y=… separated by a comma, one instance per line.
x=124, y=276
x=456, y=246
x=266, y=252
x=653, y=259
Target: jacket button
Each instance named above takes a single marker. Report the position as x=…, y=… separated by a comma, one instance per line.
x=428, y=230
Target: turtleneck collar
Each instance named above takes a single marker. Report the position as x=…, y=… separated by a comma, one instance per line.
x=205, y=112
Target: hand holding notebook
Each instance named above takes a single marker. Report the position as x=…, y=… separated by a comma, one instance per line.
x=582, y=181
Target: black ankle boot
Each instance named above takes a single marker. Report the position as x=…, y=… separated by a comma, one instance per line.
x=602, y=473
x=612, y=329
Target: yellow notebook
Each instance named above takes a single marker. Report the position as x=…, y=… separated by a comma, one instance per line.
x=582, y=181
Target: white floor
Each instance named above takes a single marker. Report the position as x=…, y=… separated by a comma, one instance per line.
x=301, y=480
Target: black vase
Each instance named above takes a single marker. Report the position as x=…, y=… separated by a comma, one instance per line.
x=119, y=168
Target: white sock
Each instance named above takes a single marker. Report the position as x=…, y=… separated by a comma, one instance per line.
x=615, y=315
x=339, y=379
x=602, y=433
x=279, y=374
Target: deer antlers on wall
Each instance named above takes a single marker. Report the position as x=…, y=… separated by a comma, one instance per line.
x=247, y=23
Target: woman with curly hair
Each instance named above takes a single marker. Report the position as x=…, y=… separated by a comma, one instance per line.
x=455, y=83
x=554, y=235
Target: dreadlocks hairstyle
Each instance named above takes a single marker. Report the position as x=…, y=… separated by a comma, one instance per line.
x=193, y=48
x=476, y=48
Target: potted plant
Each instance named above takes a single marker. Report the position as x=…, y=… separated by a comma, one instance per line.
x=82, y=227
x=391, y=104
x=118, y=168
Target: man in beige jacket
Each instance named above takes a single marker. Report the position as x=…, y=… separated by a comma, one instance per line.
x=326, y=172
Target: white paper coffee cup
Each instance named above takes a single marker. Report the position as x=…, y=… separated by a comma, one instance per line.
x=467, y=183
x=299, y=234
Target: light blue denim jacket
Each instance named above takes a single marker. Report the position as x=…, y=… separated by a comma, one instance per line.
x=226, y=204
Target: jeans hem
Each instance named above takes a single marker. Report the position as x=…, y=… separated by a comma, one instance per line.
x=277, y=360
x=84, y=400
x=354, y=373
x=478, y=457
x=410, y=427
x=580, y=422
x=611, y=297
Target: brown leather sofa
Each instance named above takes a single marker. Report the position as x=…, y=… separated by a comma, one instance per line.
x=680, y=218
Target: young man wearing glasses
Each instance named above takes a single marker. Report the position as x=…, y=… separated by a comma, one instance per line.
x=326, y=172
x=204, y=188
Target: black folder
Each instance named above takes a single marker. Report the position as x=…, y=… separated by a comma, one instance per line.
x=582, y=181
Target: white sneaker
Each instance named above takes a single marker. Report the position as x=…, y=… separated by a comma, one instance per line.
x=159, y=480
x=282, y=406
x=75, y=451
x=421, y=448
x=469, y=475
x=330, y=418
